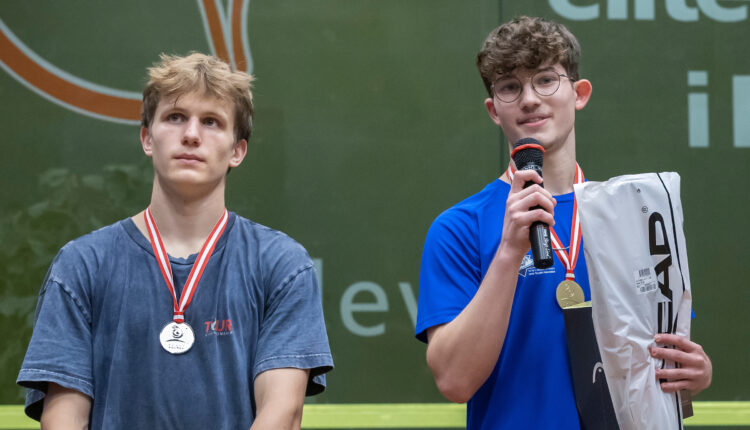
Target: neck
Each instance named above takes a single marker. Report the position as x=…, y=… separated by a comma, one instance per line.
x=184, y=222
x=559, y=171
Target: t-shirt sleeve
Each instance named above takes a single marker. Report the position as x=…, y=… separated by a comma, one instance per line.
x=293, y=332
x=60, y=346
x=450, y=272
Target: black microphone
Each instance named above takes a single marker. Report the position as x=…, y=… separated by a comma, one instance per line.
x=528, y=154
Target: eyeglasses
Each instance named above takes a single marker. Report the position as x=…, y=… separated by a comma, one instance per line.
x=545, y=83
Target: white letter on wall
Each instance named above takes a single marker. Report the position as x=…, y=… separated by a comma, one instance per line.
x=680, y=11
x=741, y=107
x=644, y=10
x=617, y=10
x=697, y=110
x=723, y=14
x=348, y=307
x=577, y=13
x=411, y=305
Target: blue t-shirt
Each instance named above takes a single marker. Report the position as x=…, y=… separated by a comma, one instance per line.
x=530, y=386
x=104, y=303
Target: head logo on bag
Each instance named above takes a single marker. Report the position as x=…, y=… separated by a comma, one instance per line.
x=662, y=269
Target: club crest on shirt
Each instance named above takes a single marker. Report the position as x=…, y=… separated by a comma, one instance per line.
x=526, y=264
x=527, y=267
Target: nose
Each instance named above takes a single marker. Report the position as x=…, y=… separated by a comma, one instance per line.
x=529, y=97
x=191, y=134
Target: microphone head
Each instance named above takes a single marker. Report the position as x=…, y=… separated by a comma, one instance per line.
x=527, y=151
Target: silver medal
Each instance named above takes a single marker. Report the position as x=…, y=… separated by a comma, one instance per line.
x=177, y=338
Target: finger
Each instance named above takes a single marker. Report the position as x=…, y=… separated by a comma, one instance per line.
x=679, y=341
x=523, y=176
x=531, y=201
x=675, y=355
x=530, y=209
x=535, y=192
x=677, y=374
x=520, y=221
x=524, y=219
x=672, y=387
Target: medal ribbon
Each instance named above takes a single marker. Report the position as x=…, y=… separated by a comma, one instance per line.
x=568, y=259
x=160, y=252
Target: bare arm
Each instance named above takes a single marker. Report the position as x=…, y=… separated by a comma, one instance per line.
x=279, y=396
x=65, y=409
x=463, y=352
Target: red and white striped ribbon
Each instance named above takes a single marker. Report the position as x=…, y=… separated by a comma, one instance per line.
x=569, y=259
x=191, y=285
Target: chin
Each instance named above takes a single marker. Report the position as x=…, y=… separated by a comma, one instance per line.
x=182, y=179
x=541, y=139
x=547, y=141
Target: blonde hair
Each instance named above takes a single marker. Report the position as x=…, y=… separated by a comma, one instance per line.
x=208, y=75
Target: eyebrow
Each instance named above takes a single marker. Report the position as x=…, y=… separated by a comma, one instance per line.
x=514, y=75
x=214, y=114
x=174, y=107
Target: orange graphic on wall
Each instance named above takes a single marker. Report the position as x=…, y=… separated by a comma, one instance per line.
x=226, y=34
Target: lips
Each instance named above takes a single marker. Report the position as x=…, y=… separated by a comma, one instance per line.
x=532, y=119
x=188, y=157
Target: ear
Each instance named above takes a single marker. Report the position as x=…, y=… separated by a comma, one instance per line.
x=489, y=103
x=238, y=153
x=146, y=141
x=583, y=91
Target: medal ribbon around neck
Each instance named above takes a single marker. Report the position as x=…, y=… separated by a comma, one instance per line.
x=568, y=259
x=191, y=285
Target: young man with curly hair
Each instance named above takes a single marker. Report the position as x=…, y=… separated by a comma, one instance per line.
x=495, y=332
x=185, y=315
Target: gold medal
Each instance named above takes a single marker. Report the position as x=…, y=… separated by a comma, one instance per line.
x=569, y=293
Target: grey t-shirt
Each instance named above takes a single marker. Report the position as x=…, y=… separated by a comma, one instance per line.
x=104, y=303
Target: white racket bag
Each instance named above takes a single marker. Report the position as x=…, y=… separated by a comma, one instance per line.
x=640, y=286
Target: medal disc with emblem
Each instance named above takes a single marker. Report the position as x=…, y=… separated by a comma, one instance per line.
x=177, y=338
x=569, y=293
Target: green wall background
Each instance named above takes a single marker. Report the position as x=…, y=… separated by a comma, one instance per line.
x=369, y=123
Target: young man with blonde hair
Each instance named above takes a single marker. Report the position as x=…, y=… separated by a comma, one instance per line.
x=184, y=315
x=495, y=331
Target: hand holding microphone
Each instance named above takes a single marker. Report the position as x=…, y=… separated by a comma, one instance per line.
x=528, y=154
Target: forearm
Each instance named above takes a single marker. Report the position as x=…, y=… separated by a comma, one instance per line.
x=279, y=397
x=282, y=418
x=63, y=421
x=462, y=353
x=65, y=409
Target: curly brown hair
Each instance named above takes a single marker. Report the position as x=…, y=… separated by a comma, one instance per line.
x=527, y=42
x=176, y=76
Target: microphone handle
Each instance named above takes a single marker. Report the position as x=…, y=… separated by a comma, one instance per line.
x=541, y=243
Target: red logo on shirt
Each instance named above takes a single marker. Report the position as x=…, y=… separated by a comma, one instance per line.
x=218, y=327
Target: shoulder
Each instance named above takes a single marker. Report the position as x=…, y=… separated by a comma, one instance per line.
x=88, y=252
x=98, y=239
x=276, y=254
x=463, y=218
x=78, y=265
x=268, y=239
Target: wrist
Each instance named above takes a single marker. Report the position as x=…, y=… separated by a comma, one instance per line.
x=508, y=254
